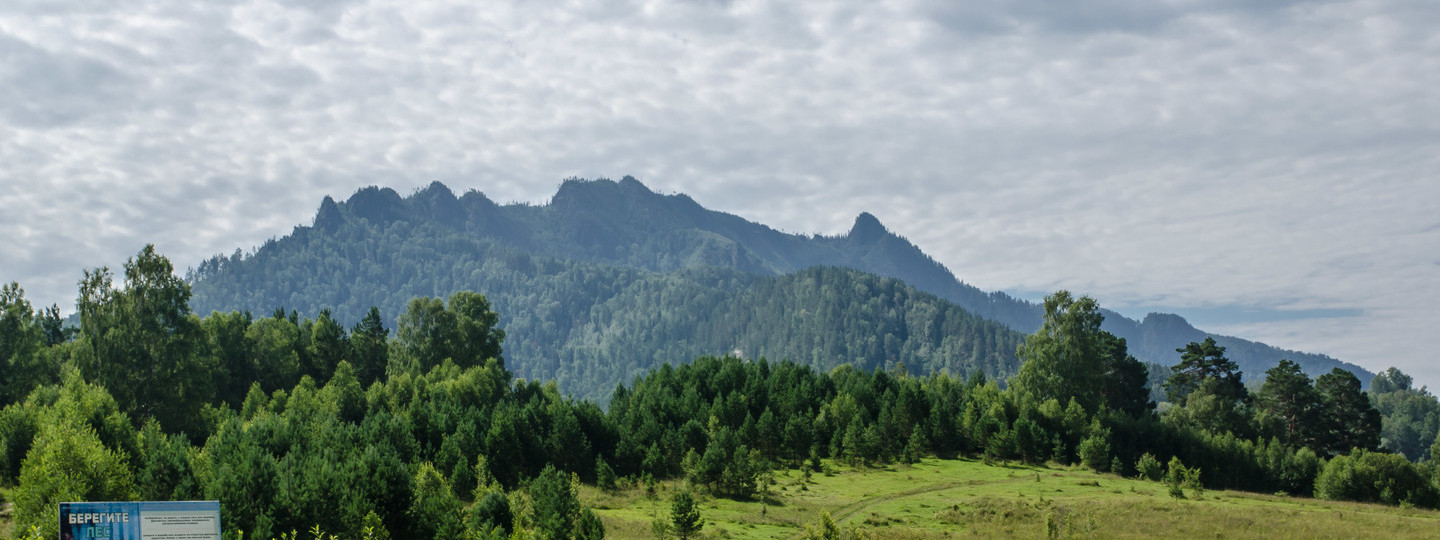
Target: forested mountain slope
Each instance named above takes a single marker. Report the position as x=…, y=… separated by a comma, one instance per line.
x=591, y=326
x=562, y=271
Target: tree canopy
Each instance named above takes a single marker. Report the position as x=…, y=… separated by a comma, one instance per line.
x=427, y=434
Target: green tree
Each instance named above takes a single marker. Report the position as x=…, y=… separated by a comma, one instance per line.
x=798, y=437
x=1391, y=380
x=555, y=504
x=604, y=475
x=235, y=470
x=230, y=351
x=142, y=343
x=490, y=512
x=1066, y=357
x=1349, y=420
x=1435, y=450
x=685, y=520
x=1375, y=477
x=345, y=393
x=588, y=526
x=329, y=345
x=1149, y=468
x=53, y=329
x=435, y=511
x=68, y=463
x=1094, y=450
x=20, y=342
x=463, y=331
x=1208, y=392
x=274, y=343
x=1126, y=381
x=1175, y=477
x=163, y=471
x=1288, y=397
x=370, y=349
x=1201, y=362
x=1031, y=440
x=1410, y=417
x=477, y=331
x=823, y=529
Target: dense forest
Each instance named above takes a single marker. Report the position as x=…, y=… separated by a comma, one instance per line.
x=422, y=431
x=591, y=327
x=585, y=281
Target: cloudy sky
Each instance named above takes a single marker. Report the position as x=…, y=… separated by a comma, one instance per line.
x=1270, y=169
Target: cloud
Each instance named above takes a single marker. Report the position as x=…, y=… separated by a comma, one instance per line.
x=1177, y=154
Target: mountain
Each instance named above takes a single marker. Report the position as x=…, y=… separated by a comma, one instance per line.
x=564, y=274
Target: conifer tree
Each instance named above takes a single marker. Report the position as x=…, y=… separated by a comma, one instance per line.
x=685, y=517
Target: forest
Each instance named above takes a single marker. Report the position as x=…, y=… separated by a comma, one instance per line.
x=591, y=326
x=422, y=431
x=610, y=279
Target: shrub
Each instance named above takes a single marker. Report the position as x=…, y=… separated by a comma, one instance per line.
x=1375, y=477
x=1176, y=475
x=1149, y=468
x=1298, y=471
x=1095, y=452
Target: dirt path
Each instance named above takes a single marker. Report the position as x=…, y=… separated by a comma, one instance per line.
x=844, y=512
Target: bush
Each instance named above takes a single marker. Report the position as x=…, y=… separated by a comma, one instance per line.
x=1298, y=471
x=1176, y=476
x=1375, y=477
x=1095, y=452
x=1149, y=468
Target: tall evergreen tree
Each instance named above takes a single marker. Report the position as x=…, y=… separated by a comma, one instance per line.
x=1126, y=380
x=370, y=349
x=1288, y=397
x=329, y=345
x=1350, y=421
x=1201, y=362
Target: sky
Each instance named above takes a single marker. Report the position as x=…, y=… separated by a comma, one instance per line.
x=1270, y=169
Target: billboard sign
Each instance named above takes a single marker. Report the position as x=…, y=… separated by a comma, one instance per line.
x=143, y=520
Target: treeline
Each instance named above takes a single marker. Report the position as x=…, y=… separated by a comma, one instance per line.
x=424, y=433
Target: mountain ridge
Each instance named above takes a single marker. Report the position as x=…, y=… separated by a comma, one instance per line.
x=625, y=224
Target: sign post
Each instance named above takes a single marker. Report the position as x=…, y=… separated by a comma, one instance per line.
x=144, y=520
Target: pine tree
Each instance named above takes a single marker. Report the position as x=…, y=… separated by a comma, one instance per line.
x=685, y=516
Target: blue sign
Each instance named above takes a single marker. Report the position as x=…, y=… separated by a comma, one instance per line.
x=145, y=520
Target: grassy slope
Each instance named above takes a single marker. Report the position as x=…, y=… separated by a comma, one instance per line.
x=961, y=498
x=7, y=512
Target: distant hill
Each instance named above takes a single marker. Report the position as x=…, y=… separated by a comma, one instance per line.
x=611, y=269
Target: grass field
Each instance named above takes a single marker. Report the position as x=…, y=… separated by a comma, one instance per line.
x=969, y=499
x=6, y=513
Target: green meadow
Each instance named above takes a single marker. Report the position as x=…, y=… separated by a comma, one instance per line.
x=970, y=499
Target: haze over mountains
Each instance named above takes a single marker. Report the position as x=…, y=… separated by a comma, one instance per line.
x=609, y=278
